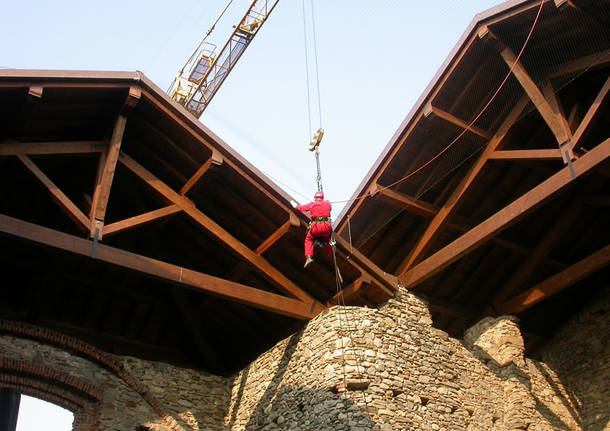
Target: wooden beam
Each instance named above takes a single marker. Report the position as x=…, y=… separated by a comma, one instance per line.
x=427, y=210
x=59, y=197
x=542, y=155
x=107, y=176
x=449, y=207
x=556, y=233
x=349, y=291
x=140, y=220
x=597, y=59
x=198, y=134
x=215, y=159
x=67, y=147
x=563, y=4
x=216, y=230
x=431, y=111
x=175, y=274
x=504, y=218
x=408, y=203
x=558, y=282
x=273, y=238
x=110, y=160
x=587, y=121
x=552, y=118
x=364, y=264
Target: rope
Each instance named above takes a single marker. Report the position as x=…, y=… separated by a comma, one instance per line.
x=315, y=53
x=306, y=70
x=418, y=195
x=350, y=329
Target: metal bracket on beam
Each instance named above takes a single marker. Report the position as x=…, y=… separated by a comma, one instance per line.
x=35, y=92
x=567, y=155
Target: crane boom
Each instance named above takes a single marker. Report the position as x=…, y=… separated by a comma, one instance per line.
x=206, y=71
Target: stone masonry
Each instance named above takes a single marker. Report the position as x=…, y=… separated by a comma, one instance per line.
x=350, y=368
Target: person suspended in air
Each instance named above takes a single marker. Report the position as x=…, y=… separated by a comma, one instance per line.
x=320, y=228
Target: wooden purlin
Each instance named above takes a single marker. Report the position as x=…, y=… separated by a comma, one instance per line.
x=173, y=273
x=505, y=217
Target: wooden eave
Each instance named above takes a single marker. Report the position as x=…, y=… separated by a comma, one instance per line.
x=135, y=185
x=423, y=199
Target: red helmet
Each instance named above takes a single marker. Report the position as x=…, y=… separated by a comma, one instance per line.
x=318, y=195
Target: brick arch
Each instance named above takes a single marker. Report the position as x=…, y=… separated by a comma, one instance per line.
x=87, y=351
x=54, y=386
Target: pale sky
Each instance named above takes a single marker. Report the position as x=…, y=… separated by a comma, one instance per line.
x=375, y=58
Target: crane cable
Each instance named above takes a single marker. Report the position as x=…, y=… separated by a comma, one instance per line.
x=350, y=326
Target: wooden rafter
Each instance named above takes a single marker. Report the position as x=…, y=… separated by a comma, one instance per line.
x=364, y=264
x=427, y=210
x=558, y=282
x=553, y=119
x=410, y=204
x=444, y=213
x=353, y=289
x=215, y=159
x=550, y=114
x=140, y=220
x=590, y=116
x=198, y=135
x=36, y=148
x=280, y=232
x=598, y=59
x=431, y=111
x=504, y=218
x=550, y=95
x=216, y=230
x=543, y=248
x=102, y=190
x=62, y=200
x=152, y=267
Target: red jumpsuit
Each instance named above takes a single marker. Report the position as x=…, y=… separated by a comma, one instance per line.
x=318, y=229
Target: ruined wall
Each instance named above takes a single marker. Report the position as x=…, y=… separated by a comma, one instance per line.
x=388, y=369
x=108, y=392
x=351, y=368
x=580, y=356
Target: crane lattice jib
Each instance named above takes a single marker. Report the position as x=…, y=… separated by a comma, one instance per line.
x=207, y=71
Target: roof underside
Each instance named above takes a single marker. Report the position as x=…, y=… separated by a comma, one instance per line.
x=126, y=222
x=473, y=219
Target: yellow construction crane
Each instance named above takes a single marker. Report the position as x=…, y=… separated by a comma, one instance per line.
x=205, y=71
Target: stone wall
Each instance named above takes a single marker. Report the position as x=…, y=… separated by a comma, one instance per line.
x=389, y=369
x=351, y=368
x=108, y=392
x=580, y=357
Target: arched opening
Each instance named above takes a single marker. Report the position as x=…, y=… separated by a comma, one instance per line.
x=38, y=414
